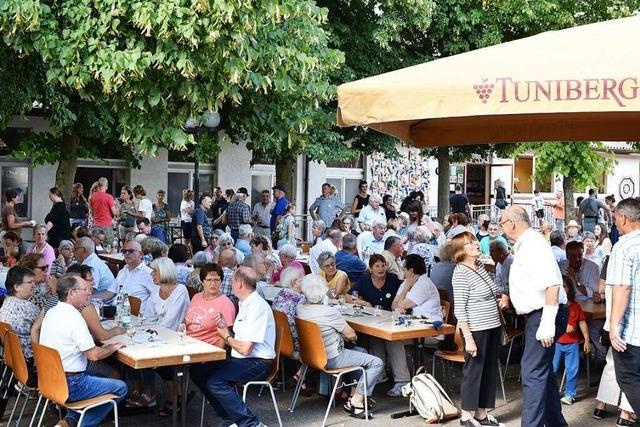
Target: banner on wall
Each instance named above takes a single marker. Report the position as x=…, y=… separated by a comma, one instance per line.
x=399, y=177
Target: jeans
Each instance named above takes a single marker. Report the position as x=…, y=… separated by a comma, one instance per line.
x=84, y=386
x=372, y=365
x=627, y=365
x=571, y=355
x=216, y=381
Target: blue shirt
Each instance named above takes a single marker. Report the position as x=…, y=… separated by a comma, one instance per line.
x=200, y=218
x=327, y=208
x=104, y=280
x=350, y=264
x=279, y=210
x=243, y=246
x=486, y=241
x=374, y=296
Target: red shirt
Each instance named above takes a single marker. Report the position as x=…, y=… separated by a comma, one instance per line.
x=101, y=204
x=575, y=317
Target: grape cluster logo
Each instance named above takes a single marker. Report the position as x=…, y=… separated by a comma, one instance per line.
x=484, y=90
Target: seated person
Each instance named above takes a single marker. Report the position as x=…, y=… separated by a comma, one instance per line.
x=252, y=353
x=337, y=280
x=64, y=330
x=347, y=259
x=287, y=255
x=335, y=331
x=14, y=248
x=494, y=234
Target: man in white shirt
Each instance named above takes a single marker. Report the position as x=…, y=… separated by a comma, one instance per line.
x=586, y=273
x=135, y=277
x=261, y=215
x=557, y=241
x=64, y=330
x=503, y=260
x=252, y=352
x=104, y=282
x=332, y=244
x=373, y=243
x=535, y=289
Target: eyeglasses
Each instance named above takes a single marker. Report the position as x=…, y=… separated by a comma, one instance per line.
x=30, y=282
x=505, y=221
x=331, y=264
x=129, y=251
x=42, y=267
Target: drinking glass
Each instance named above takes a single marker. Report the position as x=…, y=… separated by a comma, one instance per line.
x=182, y=331
x=377, y=310
x=131, y=332
x=341, y=301
x=396, y=316
x=354, y=294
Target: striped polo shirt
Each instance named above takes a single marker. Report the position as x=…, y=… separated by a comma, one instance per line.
x=474, y=296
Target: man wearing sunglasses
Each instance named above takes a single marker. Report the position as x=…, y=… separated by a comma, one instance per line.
x=135, y=277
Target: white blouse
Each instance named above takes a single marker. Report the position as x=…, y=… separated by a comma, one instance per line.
x=169, y=312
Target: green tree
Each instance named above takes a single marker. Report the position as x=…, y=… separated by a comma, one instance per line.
x=134, y=72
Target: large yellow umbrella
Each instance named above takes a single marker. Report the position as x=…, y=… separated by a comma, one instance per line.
x=579, y=84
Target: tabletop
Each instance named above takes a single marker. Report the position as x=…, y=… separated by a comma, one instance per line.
x=593, y=311
x=117, y=258
x=166, y=349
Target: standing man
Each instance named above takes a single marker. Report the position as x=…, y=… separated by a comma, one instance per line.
x=279, y=209
x=623, y=275
x=238, y=212
x=64, y=330
x=589, y=210
x=201, y=225
x=252, y=352
x=326, y=207
x=104, y=209
x=558, y=211
x=535, y=289
x=459, y=202
x=262, y=215
x=218, y=206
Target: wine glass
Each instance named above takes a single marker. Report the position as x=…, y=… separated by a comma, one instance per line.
x=131, y=332
x=341, y=301
x=182, y=331
x=354, y=294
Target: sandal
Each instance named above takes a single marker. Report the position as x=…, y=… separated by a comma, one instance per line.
x=356, y=411
x=166, y=410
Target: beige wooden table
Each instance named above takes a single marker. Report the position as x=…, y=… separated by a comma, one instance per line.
x=166, y=350
x=593, y=311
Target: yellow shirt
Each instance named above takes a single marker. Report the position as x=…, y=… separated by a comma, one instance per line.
x=333, y=283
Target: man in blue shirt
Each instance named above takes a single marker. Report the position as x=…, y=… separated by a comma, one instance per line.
x=326, y=207
x=105, y=287
x=201, y=225
x=348, y=261
x=281, y=206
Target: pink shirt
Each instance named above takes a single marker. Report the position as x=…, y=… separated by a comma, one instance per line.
x=47, y=252
x=200, y=314
x=275, y=277
x=101, y=204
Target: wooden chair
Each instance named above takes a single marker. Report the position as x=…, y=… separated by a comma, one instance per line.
x=52, y=383
x=446, y=310
x=314, y=355
x=272, y=374
x=192, y=292
x=135, y=304
x=305, y=247
x=18, y=365
x=444, y=296
x=4, y=328
x=287, y=348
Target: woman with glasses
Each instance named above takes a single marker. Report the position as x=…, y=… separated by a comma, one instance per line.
x=40, y=245
x=64, y=260
x=337, y=280
x=44, y=292
x=225, y=241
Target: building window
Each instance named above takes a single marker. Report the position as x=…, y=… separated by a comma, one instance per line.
x=17, y=177
x=346, y=182
x=522, y=171
x=117, y=178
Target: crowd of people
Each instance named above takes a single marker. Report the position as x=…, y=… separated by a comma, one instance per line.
x=377, y=255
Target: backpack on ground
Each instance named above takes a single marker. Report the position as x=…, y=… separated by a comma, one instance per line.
x=429, y=398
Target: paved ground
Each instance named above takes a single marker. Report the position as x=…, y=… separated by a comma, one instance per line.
x=310, y=410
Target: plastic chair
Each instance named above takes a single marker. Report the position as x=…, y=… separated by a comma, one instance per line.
x=314, y=355
x=267, y=381
x=287, y=348
x=135, y=304
x=52, y=383
x=18, y=365
x=4, y=328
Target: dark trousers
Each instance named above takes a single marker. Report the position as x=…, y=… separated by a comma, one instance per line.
x=235, y=234
x=197, y=244
x=478, y=388
x=541, y=398
x=627, y=365
x=216, y=381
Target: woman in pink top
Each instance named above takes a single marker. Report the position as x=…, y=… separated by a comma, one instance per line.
x=40, y=246
x=206, y=305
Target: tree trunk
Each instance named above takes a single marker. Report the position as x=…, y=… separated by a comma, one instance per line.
x=567, y=188
x=286, y=176
x=67, y=165
x=444, y=172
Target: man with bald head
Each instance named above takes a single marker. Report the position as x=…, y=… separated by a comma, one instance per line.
x=227, y=260
x=535, y=289
x=252, y=352
x=84, y=252
x=135, y=277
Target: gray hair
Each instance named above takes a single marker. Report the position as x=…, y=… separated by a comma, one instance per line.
x=349, y=241
x=324, y=257
x=253, y=260
x=518, y=215
x=335, y=235
x=289, y=275
x=378, y=222
x=557, y=238
x=437, y=226
x=629, y=208
x=65, y=244
x=314, y=288
x=245, y=230
x=199, y=259
x=97, y=232
x=67, y=282
x=288, y=251
x=422, y=234
x=154, y=246
x=103, y=182
x=167, y=272
x=318, y=223
x=86, y=243
x=225, y=238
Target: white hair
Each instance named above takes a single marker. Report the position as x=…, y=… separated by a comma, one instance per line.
x=375, y=198
x=225, y=238
x=314, y=288
x=290, y=275
x=167, y=272
x=288, y=251
x=436, y=225
x=422, y=234
x=318, y=223
x=245, y=230
x=65, y=244
x=378, y=221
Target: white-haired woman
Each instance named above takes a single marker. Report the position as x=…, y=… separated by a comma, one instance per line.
x=257, y=263
x=64, y=260
x=317, y=231
x=225, y=241
x=335, y=331
x=373, y=210
x=287, y=255
x=421, y=245
x=337, y=280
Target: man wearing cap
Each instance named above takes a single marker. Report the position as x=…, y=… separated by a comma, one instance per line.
x=280, y=207
x=238, y=212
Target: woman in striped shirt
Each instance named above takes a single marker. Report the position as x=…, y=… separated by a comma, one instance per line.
x=474, y=295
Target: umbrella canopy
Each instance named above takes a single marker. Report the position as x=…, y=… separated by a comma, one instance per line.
x=577, y=84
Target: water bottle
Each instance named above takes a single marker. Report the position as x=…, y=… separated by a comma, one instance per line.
x=119, y=307
x=126, y=313
x=116, y=245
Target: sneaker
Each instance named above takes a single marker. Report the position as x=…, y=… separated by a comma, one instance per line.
x=624, y=423
x=148, y=401
x=489, y=420
x=567, y=400
x=471, y=422
x=599, y=414
x=396, y=391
